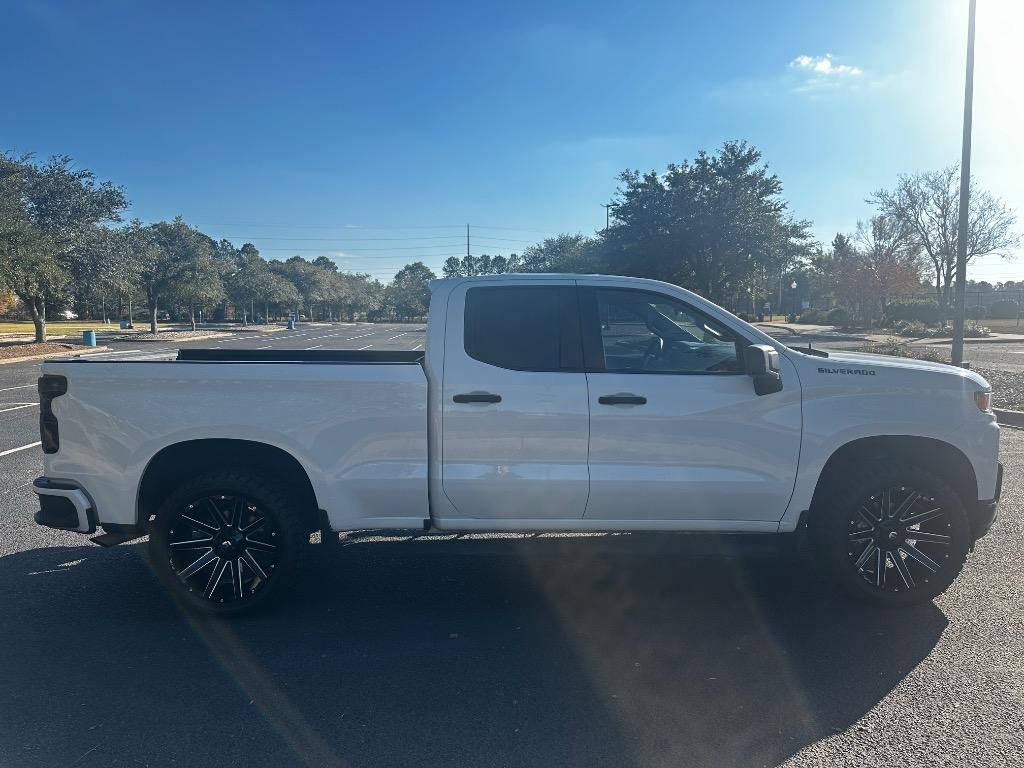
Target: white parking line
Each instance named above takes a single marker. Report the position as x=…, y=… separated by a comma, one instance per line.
x=18, y=407
x=266, y=347
x=366, y=347
x=9, y=451
x=416, y=347
x=315, y=346
x=118, y=352
x=20, y=386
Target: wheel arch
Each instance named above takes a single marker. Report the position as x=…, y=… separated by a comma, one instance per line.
x=176, y=463
x=929, y=453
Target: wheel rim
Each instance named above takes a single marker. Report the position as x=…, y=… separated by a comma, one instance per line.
x=224, y=547
x=899, y=539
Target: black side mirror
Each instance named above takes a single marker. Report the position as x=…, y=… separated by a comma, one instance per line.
x=761, y=362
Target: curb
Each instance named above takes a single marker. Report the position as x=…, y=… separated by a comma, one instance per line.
x=66, y=353
x=1009, y=418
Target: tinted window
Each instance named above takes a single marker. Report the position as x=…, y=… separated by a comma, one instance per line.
x=642, y=331
x=524, y=328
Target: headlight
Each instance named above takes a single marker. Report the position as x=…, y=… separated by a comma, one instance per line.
x=983, y=399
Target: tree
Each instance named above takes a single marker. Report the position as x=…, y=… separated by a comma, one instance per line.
x=249, y=278
x=891, y=259
x=928, y=205
x=563, y=253
x=485, y=264
x=409, y=292
x=711, y=224
x=177, y=263
x=45, y=212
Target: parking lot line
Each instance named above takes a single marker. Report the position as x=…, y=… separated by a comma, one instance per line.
x=20, y=386
x=19, y=406
x=9, y=451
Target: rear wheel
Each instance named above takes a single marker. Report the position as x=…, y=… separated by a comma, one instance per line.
x=895, y=535
x=226, y=542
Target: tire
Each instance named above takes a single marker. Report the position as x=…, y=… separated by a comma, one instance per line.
x=227, y=542
x=892, y=534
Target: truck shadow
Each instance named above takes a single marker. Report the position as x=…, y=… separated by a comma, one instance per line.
x=612, y=650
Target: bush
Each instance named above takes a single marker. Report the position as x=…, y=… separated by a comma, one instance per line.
x=839, y=316
x=896, y=348
x=976, y=313
x=1004, y=309
x=813, y=317
x=913, y=328
x=971, y=331
x=921, y=309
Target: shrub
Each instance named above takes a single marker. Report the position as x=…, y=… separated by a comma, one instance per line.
x=839, y=316
x=913, y=328
x=976, y=313
x=813, y=317
x=1004, y=309
x=922, y=309
x=971, y=331
x=896, y=348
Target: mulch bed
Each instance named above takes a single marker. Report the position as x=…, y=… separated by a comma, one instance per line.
x=8, y=351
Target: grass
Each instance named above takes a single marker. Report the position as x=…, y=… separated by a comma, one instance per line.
x=57, y=327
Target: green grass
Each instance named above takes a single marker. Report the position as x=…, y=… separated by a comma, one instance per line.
x=57, y=327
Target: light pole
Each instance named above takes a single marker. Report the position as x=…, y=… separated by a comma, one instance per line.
x=792, y=287
x=957, y=353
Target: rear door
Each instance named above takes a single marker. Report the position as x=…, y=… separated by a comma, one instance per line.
x=676, y=429
x=515, y=414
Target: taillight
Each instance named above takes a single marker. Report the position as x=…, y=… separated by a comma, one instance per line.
x=983, y=399
x=50, y=386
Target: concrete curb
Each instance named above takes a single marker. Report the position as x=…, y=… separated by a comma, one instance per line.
x=1010, y=418
x=66, y=353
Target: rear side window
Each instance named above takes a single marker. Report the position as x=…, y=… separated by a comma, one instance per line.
x=524, y=327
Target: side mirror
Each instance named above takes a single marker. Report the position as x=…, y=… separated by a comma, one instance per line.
x=761, y=362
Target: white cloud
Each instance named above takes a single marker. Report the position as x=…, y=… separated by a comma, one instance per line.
x=824, y=66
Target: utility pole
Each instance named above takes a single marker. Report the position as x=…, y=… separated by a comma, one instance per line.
x=957, y=353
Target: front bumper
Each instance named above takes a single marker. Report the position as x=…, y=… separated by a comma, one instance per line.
x=983, y=513
x=64, y=506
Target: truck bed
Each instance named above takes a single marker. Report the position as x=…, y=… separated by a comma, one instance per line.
x=361, y=357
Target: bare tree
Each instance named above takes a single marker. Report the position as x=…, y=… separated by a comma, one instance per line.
x=928, y=204
x=890, y=256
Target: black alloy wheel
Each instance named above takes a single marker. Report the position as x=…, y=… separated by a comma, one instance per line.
x=892, y=534
x=225, y=542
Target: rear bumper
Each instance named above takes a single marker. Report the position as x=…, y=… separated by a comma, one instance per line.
x=64, y=506
x=983, y=513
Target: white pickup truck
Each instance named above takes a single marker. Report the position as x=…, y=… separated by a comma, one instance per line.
x=540, y=403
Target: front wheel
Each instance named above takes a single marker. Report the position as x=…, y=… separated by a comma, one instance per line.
x=227, y=541
x=895, y=535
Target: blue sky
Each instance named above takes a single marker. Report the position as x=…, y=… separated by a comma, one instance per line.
x=373, y=131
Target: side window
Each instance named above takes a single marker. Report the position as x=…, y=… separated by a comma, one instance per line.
x=643, y=331
x=524, y=327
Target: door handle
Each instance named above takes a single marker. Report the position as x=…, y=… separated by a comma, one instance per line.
x=624, y=398
x=477, y=397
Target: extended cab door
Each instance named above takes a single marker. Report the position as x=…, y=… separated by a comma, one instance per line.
x=676, y=429
x=514, y=407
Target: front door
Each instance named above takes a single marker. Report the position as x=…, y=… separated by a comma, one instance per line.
x=676, y=430
x=515, y=420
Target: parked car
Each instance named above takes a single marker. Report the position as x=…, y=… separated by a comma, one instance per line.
x=541, y=402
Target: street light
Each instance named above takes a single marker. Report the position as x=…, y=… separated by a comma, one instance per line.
x=957, y=350
x=792, y=287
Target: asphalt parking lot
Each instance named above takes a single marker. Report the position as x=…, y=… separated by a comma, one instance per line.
x=496, y=651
